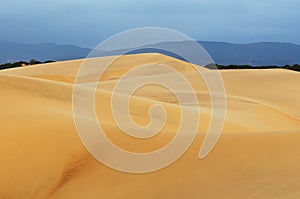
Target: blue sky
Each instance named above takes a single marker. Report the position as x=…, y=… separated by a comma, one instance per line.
x=88, y=22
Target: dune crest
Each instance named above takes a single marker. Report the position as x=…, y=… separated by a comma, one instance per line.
x=42, y=155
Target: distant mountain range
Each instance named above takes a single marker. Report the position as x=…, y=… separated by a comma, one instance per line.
x=12, y=52
x=256, y=54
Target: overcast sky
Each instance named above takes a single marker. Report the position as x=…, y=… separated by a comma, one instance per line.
x=88, y=22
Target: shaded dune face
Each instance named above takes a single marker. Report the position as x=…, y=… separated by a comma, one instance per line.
x=42, y=156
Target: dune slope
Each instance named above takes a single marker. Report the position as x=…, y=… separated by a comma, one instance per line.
x=42, y=156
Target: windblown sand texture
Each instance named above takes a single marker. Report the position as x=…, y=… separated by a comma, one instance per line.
x=42, y=156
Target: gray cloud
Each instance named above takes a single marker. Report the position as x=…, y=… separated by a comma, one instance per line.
x=87, y=22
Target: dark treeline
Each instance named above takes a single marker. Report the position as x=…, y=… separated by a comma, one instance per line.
x=295, y=67
x=23, y=63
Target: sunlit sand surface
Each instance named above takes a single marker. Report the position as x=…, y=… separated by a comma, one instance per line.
x=42, y=156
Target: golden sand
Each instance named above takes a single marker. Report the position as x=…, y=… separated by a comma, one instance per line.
x=42, y=156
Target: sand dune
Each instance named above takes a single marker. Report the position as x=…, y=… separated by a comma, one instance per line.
x=42, y=155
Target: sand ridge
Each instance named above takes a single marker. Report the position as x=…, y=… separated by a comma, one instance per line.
x=257, y=155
